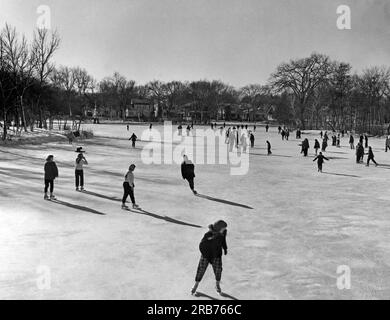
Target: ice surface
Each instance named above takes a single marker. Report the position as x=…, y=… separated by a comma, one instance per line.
x=303, y=224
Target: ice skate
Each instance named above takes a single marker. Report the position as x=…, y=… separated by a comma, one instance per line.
x=77, y=188
x=136, y=206
x=124, y=206
x=46, y=197
x=82, y=189
x=218, y=287
x=53, y=197
x=195, y=192
x=193, y=289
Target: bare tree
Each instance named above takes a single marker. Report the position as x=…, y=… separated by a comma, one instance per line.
x=22, y=61
x=45, y=45
x=302, y=77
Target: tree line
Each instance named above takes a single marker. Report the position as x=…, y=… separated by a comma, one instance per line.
x=311, y=93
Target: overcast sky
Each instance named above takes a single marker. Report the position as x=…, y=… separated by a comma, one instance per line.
x=236, y=41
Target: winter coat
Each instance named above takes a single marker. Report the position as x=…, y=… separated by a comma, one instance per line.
x=320, y=159
x=187, y=170
x=51, y=170
x=212, y=244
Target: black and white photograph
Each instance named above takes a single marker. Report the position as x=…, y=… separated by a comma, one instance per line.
x=198, y=150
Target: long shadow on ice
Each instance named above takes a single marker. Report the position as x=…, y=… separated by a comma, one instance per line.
x=77, y=207
x=168, y=219
x=266, y=155
x=224, y=201
x=101, y=196
x=225, y=295
x=201, y=294
x=341, y=174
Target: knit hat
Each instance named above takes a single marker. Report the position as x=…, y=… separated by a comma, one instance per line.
x=217, y=226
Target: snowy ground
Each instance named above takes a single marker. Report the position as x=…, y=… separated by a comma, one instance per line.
x=303, y=224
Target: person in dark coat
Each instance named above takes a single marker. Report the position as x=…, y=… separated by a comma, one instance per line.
x=324, y=145
x=316, y=145
x=320, y=160
x=365, y=141
x=321, y=134
x=211, y=247
x=287, y=134
x=370, y=157
x=268, y=148
x=283, y=133
x=351, y=142
x=361, y=139
x=338, y=141
x=359, y=152
x=133, y=139
x=188, y=172
x=305, y=147
x=279, y=129
x=252, y=139
x=51, y=172
x=266, y=128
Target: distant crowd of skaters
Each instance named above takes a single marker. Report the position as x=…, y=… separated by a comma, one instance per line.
x=214, y=241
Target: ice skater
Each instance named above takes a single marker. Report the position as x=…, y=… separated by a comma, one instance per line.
x=180, y=129
x=188, y=130
x=188, y=172
x=252, y=139
x=244, y=141
x=365, y=141
x=79, y=171
x=266, y=128
x=351, y=142
x=324, y=144
x=387, y=143
x=128, y=188
x=51, y=172
x=338, y=141
x=268, y=148
x=316, y=146
x=305, y=147
x=370, y=157
x=133, y=139
x=320, y=160
x=359, y=152
x=211, y=246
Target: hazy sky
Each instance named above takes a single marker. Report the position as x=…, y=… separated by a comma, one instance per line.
x=236, y=41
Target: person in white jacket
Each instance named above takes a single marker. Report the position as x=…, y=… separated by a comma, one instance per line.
x=128, y=188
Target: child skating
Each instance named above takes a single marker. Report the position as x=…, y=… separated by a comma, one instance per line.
x=51, y=172
x=320, y=160
x=133, y=139
x=128, y=188
x=211, y=246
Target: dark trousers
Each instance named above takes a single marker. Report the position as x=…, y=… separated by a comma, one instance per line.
x=47, y=183
x=202, y=267
x=191, y=182
x=79, y=175
x=133, y=144
x=319, y=166
x=128, y=191
x=372, y=159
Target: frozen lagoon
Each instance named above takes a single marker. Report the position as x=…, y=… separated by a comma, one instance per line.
x=302, y=227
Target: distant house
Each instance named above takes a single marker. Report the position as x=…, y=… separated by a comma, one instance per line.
x=141, y=109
